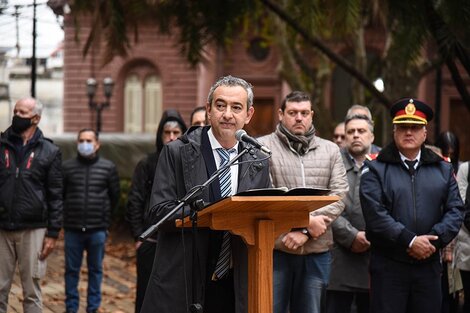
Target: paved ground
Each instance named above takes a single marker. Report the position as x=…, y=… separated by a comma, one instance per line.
x=118, y=284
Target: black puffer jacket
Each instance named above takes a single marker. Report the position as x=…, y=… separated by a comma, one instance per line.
x=91, y=192
x=30, y=183
x=142, y=180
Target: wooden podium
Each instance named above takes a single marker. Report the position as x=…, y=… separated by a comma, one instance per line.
x=259, y=220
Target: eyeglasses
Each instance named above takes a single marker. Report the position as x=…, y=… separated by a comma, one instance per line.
x=338, y=136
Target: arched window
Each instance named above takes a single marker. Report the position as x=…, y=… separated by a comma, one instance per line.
x=142, y=103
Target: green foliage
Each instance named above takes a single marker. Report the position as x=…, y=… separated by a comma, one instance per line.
x=409, y=31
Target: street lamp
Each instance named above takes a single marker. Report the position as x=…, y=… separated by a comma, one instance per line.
x=91, y=86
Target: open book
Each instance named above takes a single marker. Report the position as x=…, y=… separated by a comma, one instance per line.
x=283, y=191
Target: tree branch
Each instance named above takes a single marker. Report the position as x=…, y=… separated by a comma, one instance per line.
x=335, y=58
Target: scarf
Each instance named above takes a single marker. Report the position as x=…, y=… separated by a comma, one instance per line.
x=300, y=143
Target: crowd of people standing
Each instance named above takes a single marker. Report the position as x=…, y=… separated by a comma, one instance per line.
x=397, y=240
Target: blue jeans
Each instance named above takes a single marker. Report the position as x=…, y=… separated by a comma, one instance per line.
x=75, y=243
x=300, y=282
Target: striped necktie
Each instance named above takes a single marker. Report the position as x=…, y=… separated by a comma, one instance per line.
x=223, y=262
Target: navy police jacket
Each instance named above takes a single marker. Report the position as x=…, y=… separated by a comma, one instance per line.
x=398, y=206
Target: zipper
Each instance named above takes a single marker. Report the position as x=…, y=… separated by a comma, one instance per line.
x=302, y=169
x=414, y=200
x=30, y=160
x=7, y=158
x=85, y=209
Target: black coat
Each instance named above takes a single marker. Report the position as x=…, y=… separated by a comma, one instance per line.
x=30, y=184
x=91, y=192
x=182, y=165
x=398, y=206
x=142, y=179
x=139, y=195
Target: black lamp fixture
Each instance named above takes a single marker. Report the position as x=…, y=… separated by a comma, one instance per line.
x=91, y=86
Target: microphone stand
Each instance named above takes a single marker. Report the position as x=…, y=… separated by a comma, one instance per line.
x=192, y=198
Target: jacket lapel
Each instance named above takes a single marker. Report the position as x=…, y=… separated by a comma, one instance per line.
x=248, y=170
x=206, y=150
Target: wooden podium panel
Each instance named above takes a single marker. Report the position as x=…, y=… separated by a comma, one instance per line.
x=259, y=220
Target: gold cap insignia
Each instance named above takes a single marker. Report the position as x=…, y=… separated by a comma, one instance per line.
x=410, y=108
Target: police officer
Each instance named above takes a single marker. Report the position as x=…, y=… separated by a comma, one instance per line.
x=412, y=208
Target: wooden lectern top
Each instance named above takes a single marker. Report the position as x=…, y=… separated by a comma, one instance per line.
x=239, y=213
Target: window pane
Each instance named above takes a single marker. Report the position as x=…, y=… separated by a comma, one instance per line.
x=132, y=105
x=153, y=103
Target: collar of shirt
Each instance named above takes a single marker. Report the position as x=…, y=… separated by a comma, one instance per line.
x=358, y=165
x=403, y=158
x=233, y=169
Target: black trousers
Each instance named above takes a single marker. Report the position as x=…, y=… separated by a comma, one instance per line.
x=466, y=289
x=450, y=301
x=342, y=301
x=145, y=257
x=220, y=295
x=398, y=287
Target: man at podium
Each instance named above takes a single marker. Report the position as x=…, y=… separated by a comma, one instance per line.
x=217, y=279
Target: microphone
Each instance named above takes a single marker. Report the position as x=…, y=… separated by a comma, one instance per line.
x=241, y=135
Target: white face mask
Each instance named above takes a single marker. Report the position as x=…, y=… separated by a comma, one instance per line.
x=85, y=149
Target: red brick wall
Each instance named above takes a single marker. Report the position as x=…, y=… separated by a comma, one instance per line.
x=179, y=80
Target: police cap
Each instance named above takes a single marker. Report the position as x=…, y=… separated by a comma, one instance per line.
x=411, y=111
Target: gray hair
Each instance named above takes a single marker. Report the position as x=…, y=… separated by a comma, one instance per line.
x=357, y=107
x=173, y=124
x=231, y=81
x=363, y=117
x=38, y=107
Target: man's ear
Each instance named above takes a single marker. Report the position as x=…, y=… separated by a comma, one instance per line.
x=280, y=114
x=208, y=111
x=36, y=119
x=249, y=115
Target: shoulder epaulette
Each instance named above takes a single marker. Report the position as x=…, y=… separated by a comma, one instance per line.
x=447, y=159
x=371, y=156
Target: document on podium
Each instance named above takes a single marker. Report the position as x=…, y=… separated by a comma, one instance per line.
x=283, y=191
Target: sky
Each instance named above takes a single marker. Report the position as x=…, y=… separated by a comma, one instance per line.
x=49, y=32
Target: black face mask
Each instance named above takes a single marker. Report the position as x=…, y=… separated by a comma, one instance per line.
x=20, y=124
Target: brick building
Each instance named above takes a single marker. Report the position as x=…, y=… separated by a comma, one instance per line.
x=155, y=77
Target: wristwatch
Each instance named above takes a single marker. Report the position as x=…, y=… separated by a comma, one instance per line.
x=303, y=231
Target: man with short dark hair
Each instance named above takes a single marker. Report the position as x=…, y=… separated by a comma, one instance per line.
x=301, y=159
x=91, y=193
x=198, y=116
x=412, y=209
x=30, y=203
x=221, y=270
x=358, y=109
x=349, y=278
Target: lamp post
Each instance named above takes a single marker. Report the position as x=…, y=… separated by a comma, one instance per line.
x=91, y=86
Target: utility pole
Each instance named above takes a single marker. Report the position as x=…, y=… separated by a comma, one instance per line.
x=17, y=14
x=33, y=57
